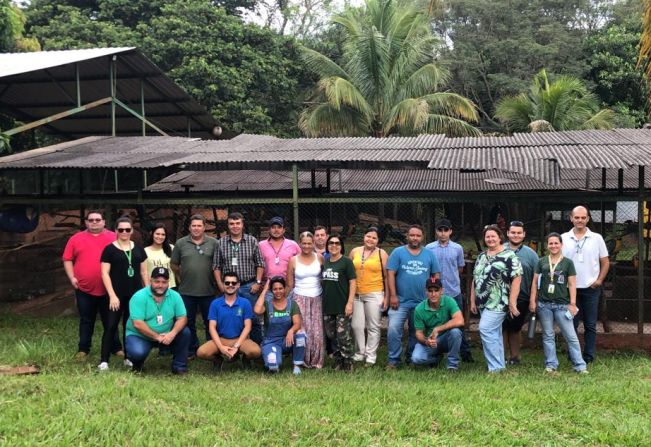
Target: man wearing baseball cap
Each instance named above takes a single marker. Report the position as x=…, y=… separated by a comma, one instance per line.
x=277, y=250
x=438, y=322
x=158, y=318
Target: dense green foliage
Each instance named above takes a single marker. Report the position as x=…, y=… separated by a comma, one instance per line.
x=70, y=404
x=246, y=75
x=252, y=78
x=388, y=81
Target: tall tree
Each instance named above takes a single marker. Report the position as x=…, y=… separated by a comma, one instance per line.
x=565, y=104
x=389, y=82
x=495, y=47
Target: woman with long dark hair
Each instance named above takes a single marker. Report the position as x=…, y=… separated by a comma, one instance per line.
x=370, y=263
x=159, y=252
x=124, y=272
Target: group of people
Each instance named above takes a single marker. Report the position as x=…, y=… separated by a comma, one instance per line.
x=310, y=298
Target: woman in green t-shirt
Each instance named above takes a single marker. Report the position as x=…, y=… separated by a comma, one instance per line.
x=339, y=285
x=553, y=298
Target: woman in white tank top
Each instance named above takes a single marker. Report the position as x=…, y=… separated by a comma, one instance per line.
x=304, y=277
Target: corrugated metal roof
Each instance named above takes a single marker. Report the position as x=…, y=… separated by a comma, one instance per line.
x=363, y=180
x=543, y=157
x=40, y=84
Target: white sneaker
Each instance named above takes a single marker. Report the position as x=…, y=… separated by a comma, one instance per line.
x=103, y=366
x=128, y=363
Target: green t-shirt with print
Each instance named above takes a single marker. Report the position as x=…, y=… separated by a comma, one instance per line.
x=426, y=318
x=336, y=285
x=562, y=272
x=160, y=317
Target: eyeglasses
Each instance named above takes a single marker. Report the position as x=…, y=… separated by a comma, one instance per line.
x=199, y=249
x=334, y=243
x=516, y=223
x=94, y=220
x=124, y=230
x=230, y=283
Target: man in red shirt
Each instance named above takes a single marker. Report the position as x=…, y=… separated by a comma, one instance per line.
x=81, y=262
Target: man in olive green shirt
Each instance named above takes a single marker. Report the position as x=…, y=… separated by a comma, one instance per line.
x=437, y=321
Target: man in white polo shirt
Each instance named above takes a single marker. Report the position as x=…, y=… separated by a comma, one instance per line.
x=590, y=256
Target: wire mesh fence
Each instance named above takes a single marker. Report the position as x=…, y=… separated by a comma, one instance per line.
x=620, y=308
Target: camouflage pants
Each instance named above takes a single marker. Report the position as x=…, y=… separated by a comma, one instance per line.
x=339, y=327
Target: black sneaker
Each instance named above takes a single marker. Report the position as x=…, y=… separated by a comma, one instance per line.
x=217, y=364
x=467, y=358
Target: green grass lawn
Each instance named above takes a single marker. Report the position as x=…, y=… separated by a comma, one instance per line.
x=70, y=404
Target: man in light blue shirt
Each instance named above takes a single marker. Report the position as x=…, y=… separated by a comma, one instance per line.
x=408, y=269
x=449, y=255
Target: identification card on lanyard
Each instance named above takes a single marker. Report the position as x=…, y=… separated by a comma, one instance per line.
x=159, y=319
x=235, y=248
x=552, y=268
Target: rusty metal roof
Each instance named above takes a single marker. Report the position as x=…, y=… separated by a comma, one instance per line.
x=544, y=157
x=40, y=84
x=407, y=180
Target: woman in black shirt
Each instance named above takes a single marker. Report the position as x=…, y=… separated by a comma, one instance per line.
x=124, y=272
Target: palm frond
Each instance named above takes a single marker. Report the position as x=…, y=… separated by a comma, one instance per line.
x=340, y=92
x=452, y=127
x=320, y=64
x=408, y=116
x=322, y=120
x=452, y=104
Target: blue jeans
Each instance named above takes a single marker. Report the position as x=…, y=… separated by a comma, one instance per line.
x=256, y=324
x=587, y=300
x=273, y=350
x=138, y=349
x=547, y=314
x=449, y=342
x=191, y=303
x=465, y=346
x=397, y=318
x=490, y=330
x=88, y=307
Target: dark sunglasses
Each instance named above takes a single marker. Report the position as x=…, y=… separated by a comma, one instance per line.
x=94, y=220
x=124, y=230
x=334, y=243
x=516, y=223
x=230, y=283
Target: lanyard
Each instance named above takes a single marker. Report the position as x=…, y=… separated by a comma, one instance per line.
x=552, y=267
x=235, y=248
x=128, y=254
x=579, y=246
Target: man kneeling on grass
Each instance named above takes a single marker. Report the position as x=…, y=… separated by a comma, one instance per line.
x=439, y=317
x=158, y=318
x=229, y=324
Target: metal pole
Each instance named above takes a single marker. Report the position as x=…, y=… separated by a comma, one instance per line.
x=78, y=85
x=295, y=200
x=189, y=127
x=142, y=107
x=640, y=250
x=112, y=80
x=115, y=179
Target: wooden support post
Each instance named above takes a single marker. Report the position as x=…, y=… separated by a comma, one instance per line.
x=295, y=200
x=640, y=250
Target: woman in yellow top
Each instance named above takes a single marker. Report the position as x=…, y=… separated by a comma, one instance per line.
x=370, y=263
x=160, y=252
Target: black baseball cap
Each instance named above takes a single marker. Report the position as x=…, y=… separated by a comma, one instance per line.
x=277, y=221
x=443, y=223
x=433, y=284
x=160, y=272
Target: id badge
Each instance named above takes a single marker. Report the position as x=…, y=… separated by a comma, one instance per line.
x=234, y=261
x=580, y=257
x=159, y=319
x=550, y=288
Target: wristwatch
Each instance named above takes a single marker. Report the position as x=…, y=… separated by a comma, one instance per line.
x=258, y=281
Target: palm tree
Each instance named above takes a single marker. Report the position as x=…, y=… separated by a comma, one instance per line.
x=389, y=82
x=565, y=104
x=644, y=58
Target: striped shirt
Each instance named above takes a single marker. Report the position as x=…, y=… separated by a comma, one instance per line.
x=242, y=258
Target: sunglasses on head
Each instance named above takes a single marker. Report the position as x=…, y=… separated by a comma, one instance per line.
x=516, y=223
x=124, y=230
x=94, y=220
x=230, y=283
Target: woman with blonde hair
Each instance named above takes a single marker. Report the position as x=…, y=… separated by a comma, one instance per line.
x=304, y=278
